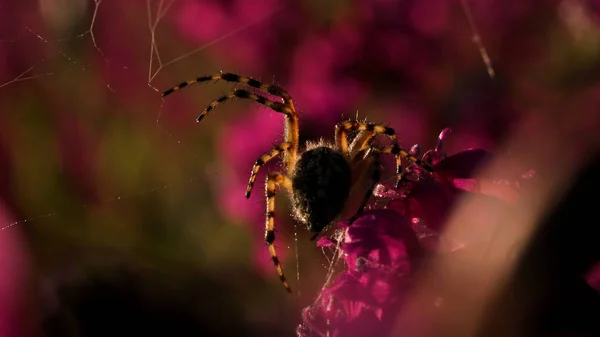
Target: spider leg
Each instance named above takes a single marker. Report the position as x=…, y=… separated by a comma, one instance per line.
x=274, y=179
x=342, y=129
x=399, y=153
x=375, y=177
x=359, y=143
x=341, y=140
x=263, y=160
x=241, y=93
x=235, y=78
x=291, y=127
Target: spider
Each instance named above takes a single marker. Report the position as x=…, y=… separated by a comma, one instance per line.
x=322, y=176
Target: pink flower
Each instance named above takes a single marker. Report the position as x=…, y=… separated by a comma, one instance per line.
x=428, y=199
x=381, y=252
x=383, y=249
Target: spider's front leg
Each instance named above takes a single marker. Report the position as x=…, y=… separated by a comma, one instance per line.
x=291, y=129
x=341, y=140
x=399, y=152
x=274, y=179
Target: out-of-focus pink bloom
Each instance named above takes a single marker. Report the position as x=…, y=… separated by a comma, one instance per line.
x=430, y=17
x=206, y=22
x=212, y=16
x=321, y=89
x=593, y=277
x=13, y=276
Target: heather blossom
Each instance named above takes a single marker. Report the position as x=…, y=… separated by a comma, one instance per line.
x=381, y=252
x=383, y=249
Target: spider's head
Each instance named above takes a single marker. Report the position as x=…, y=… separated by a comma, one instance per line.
x=320, y=187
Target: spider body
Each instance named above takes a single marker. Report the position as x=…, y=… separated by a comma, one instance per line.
x=327, y=182
x=320, y=187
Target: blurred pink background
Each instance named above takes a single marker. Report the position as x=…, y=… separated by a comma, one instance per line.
x=122, y=211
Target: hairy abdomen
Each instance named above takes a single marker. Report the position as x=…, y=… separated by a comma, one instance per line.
x=321, y=184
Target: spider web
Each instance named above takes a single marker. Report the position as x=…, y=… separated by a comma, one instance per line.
x=39, y=70
x=42, y=68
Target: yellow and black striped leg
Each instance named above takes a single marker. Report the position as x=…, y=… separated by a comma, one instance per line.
x=401, y=153
x=285, y=146
x=342, y=129
x=234, y=78
x=375, y=177
x=274, y=179
x=286, y=106
x=360, y=143
x=241, y=93
x=291, y=128
x=341, y=138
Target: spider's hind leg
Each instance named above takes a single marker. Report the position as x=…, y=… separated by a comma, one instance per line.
x=274, y=179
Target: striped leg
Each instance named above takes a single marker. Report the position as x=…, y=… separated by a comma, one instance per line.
x=291, y=129
x=263, y=160
x=360, y=144
x=235, y=78
x=341, y=138
x=274, y=179
x=288, y=108
x=399, y=153
x=241, y=93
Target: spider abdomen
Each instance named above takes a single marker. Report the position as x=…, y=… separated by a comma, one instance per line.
x=321, y=185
